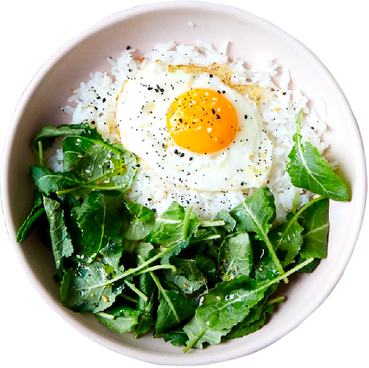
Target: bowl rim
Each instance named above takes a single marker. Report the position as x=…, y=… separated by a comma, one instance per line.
x=32, y=83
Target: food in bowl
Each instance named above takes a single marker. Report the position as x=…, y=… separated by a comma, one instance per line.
x=185, y=190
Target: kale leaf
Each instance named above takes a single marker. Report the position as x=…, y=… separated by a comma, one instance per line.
x=98, y=218
x=61, y=242
x=195, y=282
x=30, y=222
x=94, y=287
x=308, y=170
x=235, y=256
x=256, y=214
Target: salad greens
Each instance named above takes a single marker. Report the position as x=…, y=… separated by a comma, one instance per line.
x=310, y=171
x=191, y=282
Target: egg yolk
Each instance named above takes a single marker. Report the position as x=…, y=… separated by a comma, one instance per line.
x=202, y=121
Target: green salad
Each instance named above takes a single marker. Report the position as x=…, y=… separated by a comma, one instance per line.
x=191, y=282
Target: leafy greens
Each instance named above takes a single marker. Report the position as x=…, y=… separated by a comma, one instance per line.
x=308, y=170
x=192, y=282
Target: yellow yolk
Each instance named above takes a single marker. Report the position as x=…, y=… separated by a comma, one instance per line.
x=202, y=121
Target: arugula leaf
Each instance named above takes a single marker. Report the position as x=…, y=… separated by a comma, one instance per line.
x=256, y=214
x=88, y=161
x=98, y=218
x=308, y=170
x=174, y=225
x=30, y=222
x=287, y=237
x=100, y=164
x=48, y=134
x=173, y=308
x=229, y=302
x=264, y=268
x=141, y=222
x=235, y=256
x=207, y=266
x=176, y=335
x=145, y=251
x=48, y=181
x=198, y=335
x=61, y=242
x=94, y=287
x=187, y=277
x=257, y=316
x=119, y=318
x=230, y=222
x=74, y=149
x=316, y=225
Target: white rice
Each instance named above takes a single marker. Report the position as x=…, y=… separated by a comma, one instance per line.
x=94, y=102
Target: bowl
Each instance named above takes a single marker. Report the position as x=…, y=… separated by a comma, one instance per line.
x=143, y=27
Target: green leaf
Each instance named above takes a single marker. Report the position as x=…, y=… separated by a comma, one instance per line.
x=256, y=215
x=174, y=225
x=100, y=164
x=141, y=222
x=92, y=162
x=265, y=268
x=315, y=222
x=145, y=251
x=308, y=170
x=94, y=287
x=230, y=222
x=198, y=335
x=187, y=277
x=177, y=336
x=30, y=222
x=287, y=238
x=48, y=134
x=228, y=303
x=176, y=249
x=235, y=256
x=48, y=181
x=98, y=218
x=119, y=318
x=74, y=149
x=173, y=308
x=60, y=239
x=257, y=316
x=207, y=266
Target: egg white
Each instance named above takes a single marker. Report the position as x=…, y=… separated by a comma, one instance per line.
x=141, y=115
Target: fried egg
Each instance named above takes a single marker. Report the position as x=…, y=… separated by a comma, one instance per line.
x=193, y=129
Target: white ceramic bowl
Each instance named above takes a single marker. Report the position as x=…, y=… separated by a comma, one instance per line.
x=143, y=27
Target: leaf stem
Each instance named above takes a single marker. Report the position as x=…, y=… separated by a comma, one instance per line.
x=137, y=291
x=278, y=299
x=155, y=268
x=295, y=202
x=288, y=273
x=210, y=237
x=268, y=243
x=212, y=223
x=275, y=258
x=40, y=153
x=132, y=271
x=299, y=122
x=194, y=341
x=186, y=222
x=96, y=187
